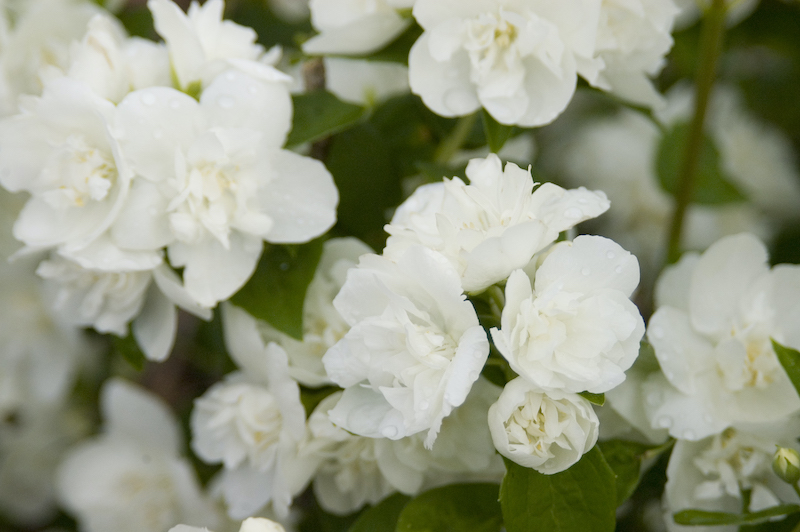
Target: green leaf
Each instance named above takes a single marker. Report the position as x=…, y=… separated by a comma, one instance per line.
x=320, y=114
x=625, y=459
x=453, y=508
x=711, y=186
x=790, y=360
x=383, y=516
x=311, y=397
x=397, y=51
x=496, y=133
x=276, y=291
x=701, y=517
x=580, y=499
x=598, y=399
x=129, y=350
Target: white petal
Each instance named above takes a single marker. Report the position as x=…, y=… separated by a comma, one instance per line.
x=157, y=325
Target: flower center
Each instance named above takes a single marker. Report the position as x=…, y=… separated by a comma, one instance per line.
x=82, y=173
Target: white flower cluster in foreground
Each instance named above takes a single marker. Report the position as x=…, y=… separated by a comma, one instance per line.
x=721, y=390
x=518, y=59
x=141, y=157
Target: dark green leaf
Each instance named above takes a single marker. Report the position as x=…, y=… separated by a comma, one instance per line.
x=320, y=114
x=276, y=291
x=625, y=459
x=711, y=186
x=790, y=524
x=311, y=397
x=397, y=51
x=598, y=399
x=580, y=499
x=702, y=517
x=453, y=508
x=790, y=360
x=383, y=516
x=129, y=350
x=496, y=133
x=368, y=183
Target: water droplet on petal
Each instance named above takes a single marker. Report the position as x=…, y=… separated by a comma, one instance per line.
x=230, y=76
x=664, y=422
x=586, y=271
x=148, y=99
x=573, y=212
x=610, y=254
x=284, y=266
x=226, y=102
x=459, y=101
x=653, y=398
x=473, y=375
x=583, y=201
x=389, y=432
x=657, y=332
x=689, y=434
x=708, y=418
x=252, y=89
x=157, y=134
x=618, y=269
x=174, y=103
x=424, y=405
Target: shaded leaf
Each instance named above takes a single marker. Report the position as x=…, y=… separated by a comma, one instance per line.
x=453, y=508
x=129, y=350
x=276, y=291
x=711, y=186
x=625, y=459
x=383, y=516
x=496, y=133
x=397, y=51
x=702, y=517
x=598, y=399
x=580, y=499
x=320, y=114
x=790, y=360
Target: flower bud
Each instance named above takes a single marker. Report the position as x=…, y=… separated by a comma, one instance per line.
x=786, y=464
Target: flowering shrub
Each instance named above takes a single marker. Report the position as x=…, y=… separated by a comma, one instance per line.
x=399, y=265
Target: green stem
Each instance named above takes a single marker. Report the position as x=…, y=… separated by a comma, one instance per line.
x=710, y=50
x=453, y=142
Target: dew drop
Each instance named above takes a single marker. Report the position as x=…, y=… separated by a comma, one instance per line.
x=473, y=375
x=252, y=89
x=459, y=101
x=689, y=434
x=657, y=332
x=708, y=418
x=664, y=422
x=300, y=221
x=583, y=201
x=669, y=375
x=610, y=254
x=157, y=134
x=573, y=212
x=174, y=103
x=148, y=99
x=586, y=272
x=389, y=432
x=654, y=398
x=424, y=405
x=618, y=269
x=226, y=102
x=284, y=266
x=230, y=76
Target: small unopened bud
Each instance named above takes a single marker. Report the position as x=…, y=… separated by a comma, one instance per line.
x=786, y=464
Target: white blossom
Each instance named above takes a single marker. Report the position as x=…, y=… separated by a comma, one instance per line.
x=546, y=431
x=202, y=45
x=492, y=226
x=414, y=349
x=213, y=183
x=252, y=422
x=518, y=59
x=711, y=474
x=632, y=39
x=716, y=316
x=575, y=330
x=355, y=26
x=131, y=478
x=322, y=324
x=365, y=82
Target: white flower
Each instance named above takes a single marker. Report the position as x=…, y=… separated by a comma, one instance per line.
x=576, y=330
x=518, y=59
x=365, y=82
x=38, y=38
x=632, y=40
x=355, y=26
x=61, y=151
x=322, y=324
x=546, y=431
x=414, y=349
x=711, y=334
x=251, y=524
x=712, y=474
x=131, y=478
x=252, y=422
x=201, y=45
x=214, y=183
x=492, y=226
